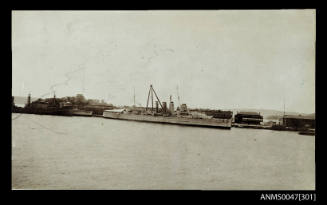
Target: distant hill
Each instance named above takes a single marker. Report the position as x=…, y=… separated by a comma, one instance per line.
x=268, y=114
x=271, y=114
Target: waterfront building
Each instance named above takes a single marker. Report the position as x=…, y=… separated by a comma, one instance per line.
x=299, y=121
x=248, y=118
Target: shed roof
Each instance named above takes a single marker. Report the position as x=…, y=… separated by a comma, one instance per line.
x=248, y=113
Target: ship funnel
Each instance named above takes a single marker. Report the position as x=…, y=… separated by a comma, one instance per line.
x=164, y=107
x=171, y=107
x=157, y=106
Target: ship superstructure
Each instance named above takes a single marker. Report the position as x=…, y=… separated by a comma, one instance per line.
x=167, y=114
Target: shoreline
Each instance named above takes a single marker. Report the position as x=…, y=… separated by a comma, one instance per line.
x=236, y=125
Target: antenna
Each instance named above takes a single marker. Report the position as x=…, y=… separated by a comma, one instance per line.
x=179, y=103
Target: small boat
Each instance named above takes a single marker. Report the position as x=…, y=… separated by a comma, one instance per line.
x=307, y=132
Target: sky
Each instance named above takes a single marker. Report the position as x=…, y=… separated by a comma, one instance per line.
x=220, y=59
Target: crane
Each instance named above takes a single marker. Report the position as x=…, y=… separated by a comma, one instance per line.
x=150, y=93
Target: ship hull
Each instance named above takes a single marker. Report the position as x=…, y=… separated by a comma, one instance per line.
x=82, y=113
x=60, y=112
x=214, y=123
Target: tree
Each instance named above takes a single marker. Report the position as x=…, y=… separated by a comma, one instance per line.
x=80, y=99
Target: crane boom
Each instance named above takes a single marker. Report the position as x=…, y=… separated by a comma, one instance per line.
x=151, y=91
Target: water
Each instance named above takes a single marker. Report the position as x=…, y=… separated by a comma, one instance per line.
x=54, y=152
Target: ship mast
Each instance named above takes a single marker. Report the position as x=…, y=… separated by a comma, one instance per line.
x=83, y=82
x=134, y=97
x=284, y=110
x=284, y=107
x=151, y=100
x=179, y=103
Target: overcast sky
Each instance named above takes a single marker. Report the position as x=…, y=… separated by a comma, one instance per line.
x=218, y=59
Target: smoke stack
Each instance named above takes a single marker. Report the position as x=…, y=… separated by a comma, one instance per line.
x=164, y=107
x=171, y=107
x=157, y=106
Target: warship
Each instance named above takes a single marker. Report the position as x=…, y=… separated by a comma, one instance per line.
x=168, y=115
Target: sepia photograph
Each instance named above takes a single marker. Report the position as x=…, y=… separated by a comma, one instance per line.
x=163, y=99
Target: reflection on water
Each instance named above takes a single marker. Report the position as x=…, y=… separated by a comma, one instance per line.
x=54, y=152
